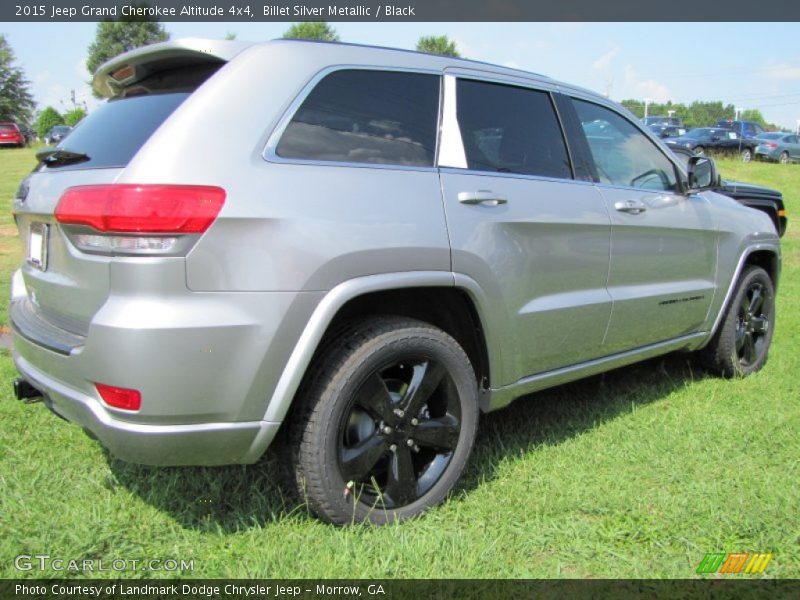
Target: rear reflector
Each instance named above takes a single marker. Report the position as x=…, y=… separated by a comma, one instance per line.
x=118, y=397
x=130, y=208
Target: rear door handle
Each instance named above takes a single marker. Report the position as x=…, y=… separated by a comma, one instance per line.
x=633, y=207
x=484, y=197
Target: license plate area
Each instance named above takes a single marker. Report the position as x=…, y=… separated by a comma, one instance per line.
x=37, y=245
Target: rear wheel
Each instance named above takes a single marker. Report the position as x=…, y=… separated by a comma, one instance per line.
x=699, y=150
x=387, y=422
x=741, y=344
x=783, y=158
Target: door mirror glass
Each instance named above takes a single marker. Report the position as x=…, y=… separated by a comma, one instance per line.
x=702, y=173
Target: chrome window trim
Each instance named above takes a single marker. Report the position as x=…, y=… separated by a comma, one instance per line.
x=474, y=173
x=270, y=154
x=451, y=146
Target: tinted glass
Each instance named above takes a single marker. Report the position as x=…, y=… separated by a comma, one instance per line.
x=699, y=134
x=508, y=129
x=623, y=154
x=379, y=117
x=114, y=132
x=7, y=127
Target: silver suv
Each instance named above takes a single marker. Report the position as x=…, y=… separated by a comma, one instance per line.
x=365, y=247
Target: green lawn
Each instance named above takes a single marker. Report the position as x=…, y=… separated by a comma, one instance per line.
x=637, y=473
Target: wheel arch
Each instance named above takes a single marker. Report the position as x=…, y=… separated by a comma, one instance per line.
x=765, y=256
x=446, y=300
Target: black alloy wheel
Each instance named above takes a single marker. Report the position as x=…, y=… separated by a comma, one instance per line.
x=386, y=421
x=741, y=342
x=399, y=435
x=752, y=325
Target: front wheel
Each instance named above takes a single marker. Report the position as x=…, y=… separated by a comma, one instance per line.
x=699, y=151
x=387, y=422
x=747, y=155
x=741, y=344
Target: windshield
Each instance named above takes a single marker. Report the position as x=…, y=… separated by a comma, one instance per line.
x=771, y=136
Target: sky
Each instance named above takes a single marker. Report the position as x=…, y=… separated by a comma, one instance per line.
x=749, y=65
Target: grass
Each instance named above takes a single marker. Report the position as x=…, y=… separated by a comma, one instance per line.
x=637, y=473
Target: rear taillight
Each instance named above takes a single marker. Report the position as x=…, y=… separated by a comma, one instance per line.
x=770, y=145
x=118, y=397
x=137, y=219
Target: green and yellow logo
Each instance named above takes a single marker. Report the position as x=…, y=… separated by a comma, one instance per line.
x=734, y=562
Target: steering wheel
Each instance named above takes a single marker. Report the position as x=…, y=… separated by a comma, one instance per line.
x=661, y=175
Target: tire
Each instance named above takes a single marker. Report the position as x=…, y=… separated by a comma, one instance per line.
x=784, y=158
x=747, y=155
x=741, y=344
x=386, y=422
x=699, y=150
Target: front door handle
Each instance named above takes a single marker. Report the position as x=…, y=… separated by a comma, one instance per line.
x=633, y=207
x=484, y=197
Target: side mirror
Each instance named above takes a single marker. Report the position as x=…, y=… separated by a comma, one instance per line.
x=702, y=173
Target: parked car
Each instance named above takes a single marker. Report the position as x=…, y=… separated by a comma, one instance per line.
x=662, y=120
x=745, y=129
x=10, y=135
x=667, y=131
x=778, y=146
x=29, y=134
x=56, y=134
x=358, y=266
x=755, y=196
x=702, y=140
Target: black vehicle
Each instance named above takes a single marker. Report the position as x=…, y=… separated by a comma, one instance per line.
x=667, y=131
x=755, y=196
x=702, y=140
x=56, y=134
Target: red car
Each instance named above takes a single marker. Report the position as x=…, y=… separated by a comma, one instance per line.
x=10, y=135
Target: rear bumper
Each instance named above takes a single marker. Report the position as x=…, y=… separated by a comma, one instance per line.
x=205, y=365
x=164, y=445
x=763, y=155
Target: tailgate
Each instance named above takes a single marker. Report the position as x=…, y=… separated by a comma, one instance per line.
x=66, y=286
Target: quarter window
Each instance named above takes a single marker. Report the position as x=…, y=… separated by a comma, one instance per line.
x=510, y=129
x=361, y=116
x=623, y=154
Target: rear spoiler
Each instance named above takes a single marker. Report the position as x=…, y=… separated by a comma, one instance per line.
x=127, y=69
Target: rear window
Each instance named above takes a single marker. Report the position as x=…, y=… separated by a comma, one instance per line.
x=8, y=128
x=363, y=116
x=115, y=131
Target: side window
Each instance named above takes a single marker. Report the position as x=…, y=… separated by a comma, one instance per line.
x=509, y=129
x=361, y=116
x=623, y=154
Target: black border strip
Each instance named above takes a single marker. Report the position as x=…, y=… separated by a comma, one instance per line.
x=406, y=10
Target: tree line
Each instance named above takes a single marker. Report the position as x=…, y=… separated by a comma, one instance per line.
x=698, y=113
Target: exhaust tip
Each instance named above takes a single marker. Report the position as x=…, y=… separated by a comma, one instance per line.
x=24, y=390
